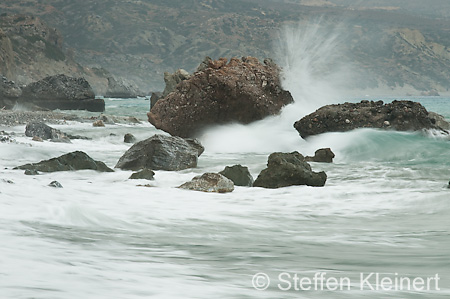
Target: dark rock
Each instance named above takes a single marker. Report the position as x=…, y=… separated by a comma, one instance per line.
x=324, y=155
x=209, y=182
x=155, y=98
x=120, y=89
x=196, y=144
x=72, y=161
x=439, y=121
x=145, y=174
x=55, y=184
x=40, y=129
x=31, y=172
x=129, y=138
x=398, y=115
x=239, y=91
x=239, y=175
x=62, y=92
x=8, y=181
x=9, y=93
x=160, y=152
x=288, y=169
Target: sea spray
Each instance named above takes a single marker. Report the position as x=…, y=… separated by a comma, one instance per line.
x=312, y=70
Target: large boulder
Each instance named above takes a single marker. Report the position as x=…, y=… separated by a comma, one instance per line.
x=398, y=115
x=72, y=161
x=239, y=175
x=40, y=129
x=242, y=90
x=9, y=93
x=289, y=169
x=161, y=152
x=62, y=92
x=209, y=182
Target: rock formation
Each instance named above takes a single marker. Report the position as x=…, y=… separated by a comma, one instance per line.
x=9, y=93
x=161, y=152
x=239, y=175
x=289, y=169
x=72, y=161
x=242, y=90
x=209, y=182
x=323, y=155
x=120, y=89
x=144, y=174
x=62, y=92
x=398, y=115
x=40, y=129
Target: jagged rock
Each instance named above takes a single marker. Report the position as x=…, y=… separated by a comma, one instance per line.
x=239, y=91
x=239, y=175
x=160, y=152
x=289, y=169
x=72, y=161
x=398, y=115
x=209, y=182
x=195, y=144
x=55, y=184
x=129, y=138
x=155, y=98
x=324, y=155
x=62, y=92
x=172, y=80
x=98, y=123
x=120, y=89
x=41, y=130
x=145, y=174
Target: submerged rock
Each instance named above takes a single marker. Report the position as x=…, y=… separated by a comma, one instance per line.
x=239, y=91
x=55, y=184
x=145, y=174
x=288, y=169
x=72, y=161
x=239, y=175
x=31, y=172
x=161, y=152
x=209, y=182
x=398, y=115
x=129, y=138
x=98, y=123
x=62, y=92
x=324, y=155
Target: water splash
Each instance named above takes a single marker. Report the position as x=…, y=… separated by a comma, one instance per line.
x=312, y=65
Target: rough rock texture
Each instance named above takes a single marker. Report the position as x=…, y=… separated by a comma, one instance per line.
x=72, y=161
x=239, y=175
x=172, y=80
x=288, y=169
x=398, y=115
x=145, y=174
x=155, y=98
x=40, y=129
x=439, y=121
x=324, y=155
x=9, y=93
x=160, y=152
x=120, y=89
x=62, y=92
x=239, y=91
x=209, y=182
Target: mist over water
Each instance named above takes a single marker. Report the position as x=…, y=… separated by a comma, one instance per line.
x=310, y=55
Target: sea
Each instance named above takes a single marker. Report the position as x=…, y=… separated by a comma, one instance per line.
x=380, y=228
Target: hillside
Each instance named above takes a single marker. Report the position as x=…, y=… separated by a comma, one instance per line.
x=388, y=46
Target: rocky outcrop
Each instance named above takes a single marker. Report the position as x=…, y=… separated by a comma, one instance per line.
x=9, y=93
x=323, y=155
x=398, y=115
x=239, y=175
x=209, y=182
x=242, y=90
x=172, y=80
x=161, y=152
x=289, y=169
x=119, y=89
x=72, y=161
x=62, y=92
x=144, y=174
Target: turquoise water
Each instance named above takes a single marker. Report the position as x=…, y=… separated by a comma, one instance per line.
x=385, y=209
